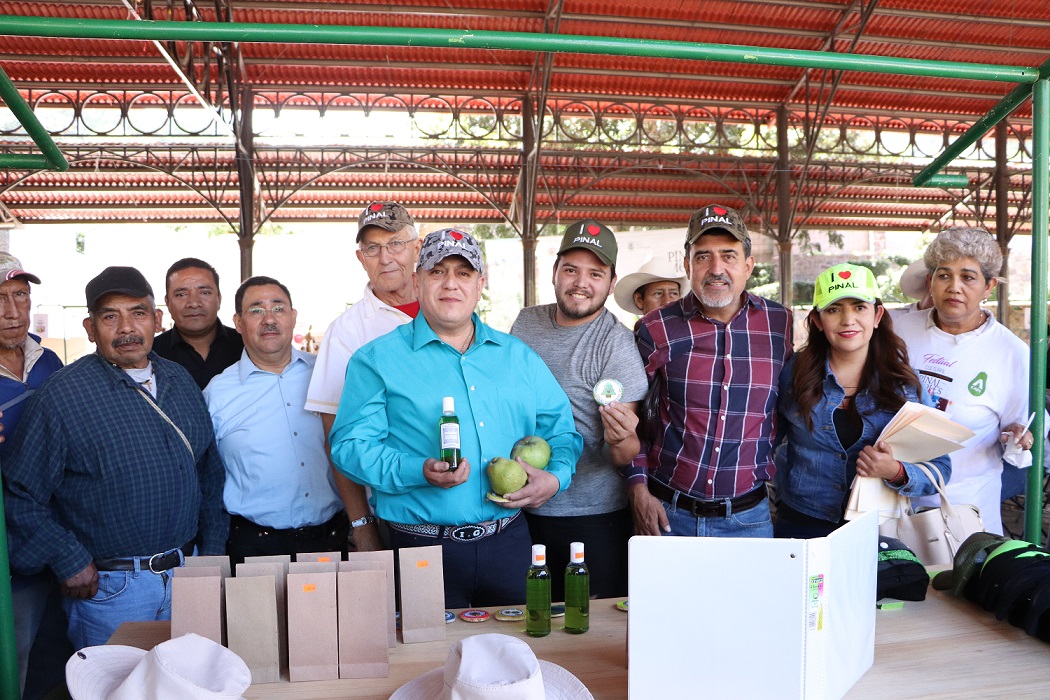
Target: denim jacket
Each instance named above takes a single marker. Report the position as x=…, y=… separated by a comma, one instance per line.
x=814, y=472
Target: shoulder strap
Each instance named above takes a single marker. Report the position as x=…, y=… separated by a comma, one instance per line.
x=164, y=415
x=18, y=399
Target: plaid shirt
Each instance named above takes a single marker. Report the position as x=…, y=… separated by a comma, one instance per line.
x=719, y=401
x=93, y=472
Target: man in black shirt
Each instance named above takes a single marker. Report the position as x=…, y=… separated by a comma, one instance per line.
x=198, y=341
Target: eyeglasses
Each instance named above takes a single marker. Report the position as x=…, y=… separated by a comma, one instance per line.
x=260, y=311
x=393, y=247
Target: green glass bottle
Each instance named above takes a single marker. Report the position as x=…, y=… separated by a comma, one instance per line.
x=577, y=592
x=448, y=425
x=538, y=594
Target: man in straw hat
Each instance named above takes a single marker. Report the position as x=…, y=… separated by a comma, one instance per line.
x=386, y=431
x=718, y=352
x=655, y=284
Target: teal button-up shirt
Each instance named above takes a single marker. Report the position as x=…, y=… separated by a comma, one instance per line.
x=387, y=423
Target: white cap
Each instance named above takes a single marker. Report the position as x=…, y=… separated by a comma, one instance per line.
x=448, y=405
x=539, y=555
x=576, y=552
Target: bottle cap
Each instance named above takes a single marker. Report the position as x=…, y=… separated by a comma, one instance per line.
x=539, y=555
x=448, y=405
x=576, y=552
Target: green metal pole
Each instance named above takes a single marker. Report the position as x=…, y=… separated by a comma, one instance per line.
x=514, y=41
x=53, y=158
x=947, y=181
x=9, y=679
x=1033, y=502
x=969, y=137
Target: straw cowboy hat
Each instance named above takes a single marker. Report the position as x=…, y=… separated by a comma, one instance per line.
x=652, y=271
x=494, y=667
x=189, y=667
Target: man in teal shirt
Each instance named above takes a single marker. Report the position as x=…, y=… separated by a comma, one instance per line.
x=386, y=430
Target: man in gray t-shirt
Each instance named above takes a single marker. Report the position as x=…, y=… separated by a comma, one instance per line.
x=584, y=344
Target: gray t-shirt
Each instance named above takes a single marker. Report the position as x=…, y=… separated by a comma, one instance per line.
x=579, y=357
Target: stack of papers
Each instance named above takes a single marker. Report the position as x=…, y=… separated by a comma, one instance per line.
x=919, y=433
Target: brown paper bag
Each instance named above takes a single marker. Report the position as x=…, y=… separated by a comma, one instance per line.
x=422, y=594
x=251, y=625
x=223, y=562
x=363, y=622
x=313, y=636
x=378, y=561
x=319, y=556
x=279, y=570
x=197, y=602
x=311, y=567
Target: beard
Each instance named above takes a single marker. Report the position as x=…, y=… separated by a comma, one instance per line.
x=586, y=308
x=12, y=345
x=717, y=300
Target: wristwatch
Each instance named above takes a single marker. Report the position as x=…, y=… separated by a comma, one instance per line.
x=364, y=520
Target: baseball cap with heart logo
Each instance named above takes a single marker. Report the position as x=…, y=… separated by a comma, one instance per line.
x=844, y=281
x=449, y=241
x=590, y=235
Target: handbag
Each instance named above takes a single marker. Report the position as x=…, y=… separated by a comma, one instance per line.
x=934, y=534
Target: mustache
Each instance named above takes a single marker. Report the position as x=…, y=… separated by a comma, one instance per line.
x=128, y=340
x=269, y=328
x=717, y=278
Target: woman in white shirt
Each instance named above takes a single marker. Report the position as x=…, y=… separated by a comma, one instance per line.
x=972, y=366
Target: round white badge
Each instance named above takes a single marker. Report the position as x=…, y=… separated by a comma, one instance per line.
x=607, y=390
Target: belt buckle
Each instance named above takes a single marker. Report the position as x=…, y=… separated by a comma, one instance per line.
x=161, y=555
x=466, y=533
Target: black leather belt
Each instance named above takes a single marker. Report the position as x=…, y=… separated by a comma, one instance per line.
x=157, y=563
x=707, y=509
x=307, y=532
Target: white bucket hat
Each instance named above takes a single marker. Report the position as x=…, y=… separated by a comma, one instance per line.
x=494, y=667
x=189, y=667
x=652, y=271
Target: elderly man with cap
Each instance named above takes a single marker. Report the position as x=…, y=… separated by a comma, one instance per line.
x=588, y=349
x=24, y=365
x=717, y=354
x=387, y=248
x=655, y=284
x=114, y=472
x=386, y=431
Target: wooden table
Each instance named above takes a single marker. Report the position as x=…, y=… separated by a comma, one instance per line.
x=941, y=647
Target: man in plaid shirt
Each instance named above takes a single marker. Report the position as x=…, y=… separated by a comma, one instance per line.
x=717, y=354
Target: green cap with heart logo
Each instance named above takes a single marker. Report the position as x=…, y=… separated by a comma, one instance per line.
x=844, y=281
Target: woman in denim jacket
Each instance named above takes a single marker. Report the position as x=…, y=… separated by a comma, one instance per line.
x=837, y=393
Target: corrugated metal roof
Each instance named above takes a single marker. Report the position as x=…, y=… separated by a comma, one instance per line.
x=1014, y=33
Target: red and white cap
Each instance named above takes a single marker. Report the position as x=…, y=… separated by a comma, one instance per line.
x=11, y=268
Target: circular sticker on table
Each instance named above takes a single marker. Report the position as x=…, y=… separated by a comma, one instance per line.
x=622, y=606
x=558, y=610
x=510, y=614
x=607, y=390
x=474, y=616
x=449, y=617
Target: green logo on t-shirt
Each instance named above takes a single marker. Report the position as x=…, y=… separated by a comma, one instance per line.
x=978, y=384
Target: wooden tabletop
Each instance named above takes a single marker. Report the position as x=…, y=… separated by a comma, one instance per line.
x=941, y=647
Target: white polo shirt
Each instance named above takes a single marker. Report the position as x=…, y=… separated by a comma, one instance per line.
x=361, y=323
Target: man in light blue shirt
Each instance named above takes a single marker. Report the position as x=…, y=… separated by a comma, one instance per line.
x=280, y=490
x=386, y=430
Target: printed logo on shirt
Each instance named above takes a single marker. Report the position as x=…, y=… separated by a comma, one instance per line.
x=978, y=384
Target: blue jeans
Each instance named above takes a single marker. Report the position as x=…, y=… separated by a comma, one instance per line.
x=753, y=522
x=123, y=596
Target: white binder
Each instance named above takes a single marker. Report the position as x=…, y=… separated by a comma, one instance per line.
x=752, y=618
